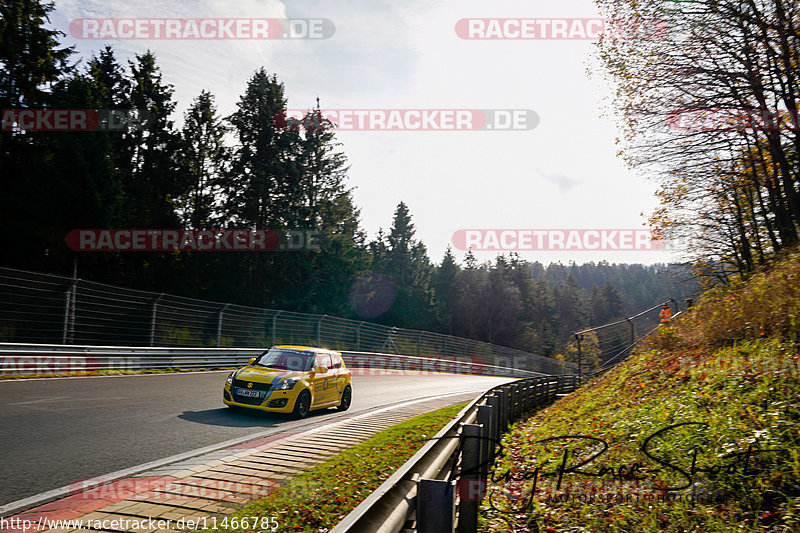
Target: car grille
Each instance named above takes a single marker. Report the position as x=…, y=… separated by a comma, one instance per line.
x=256, y=386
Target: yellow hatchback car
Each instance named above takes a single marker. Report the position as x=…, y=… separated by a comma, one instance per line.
x=291, y=379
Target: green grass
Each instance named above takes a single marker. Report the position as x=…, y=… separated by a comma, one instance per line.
x=318, y=499
x=747, y=394
x=709, y=405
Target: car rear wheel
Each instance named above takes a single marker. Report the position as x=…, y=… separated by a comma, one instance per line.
x=347, y=397
x=302, y=405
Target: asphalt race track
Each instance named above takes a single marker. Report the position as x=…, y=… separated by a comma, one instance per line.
x=60, y=431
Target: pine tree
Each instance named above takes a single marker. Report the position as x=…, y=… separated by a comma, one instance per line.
x=203, y=161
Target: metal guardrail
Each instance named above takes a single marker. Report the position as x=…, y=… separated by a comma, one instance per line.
x=17, y=358
x=424, y=494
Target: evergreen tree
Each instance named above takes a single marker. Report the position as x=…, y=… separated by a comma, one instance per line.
x=445, y=291
x=31, y=59
x=203, y=159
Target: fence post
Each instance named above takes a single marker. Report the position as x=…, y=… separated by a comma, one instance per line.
x=633, y=330
x=471, y=487
x=358, y=336
x=319, y=331
x=419, y=343
x=219, y=323
x=153, y=319
x=274, y=320
x=67, y=298
x=72, y=302
x=579, y=338
x=435, y=506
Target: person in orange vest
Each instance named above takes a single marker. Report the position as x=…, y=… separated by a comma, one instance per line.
x=665, y=314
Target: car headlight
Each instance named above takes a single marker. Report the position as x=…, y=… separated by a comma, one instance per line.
x=230, y=378
x=287, y=384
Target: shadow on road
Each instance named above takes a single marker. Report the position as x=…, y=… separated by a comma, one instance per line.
x=228, y=417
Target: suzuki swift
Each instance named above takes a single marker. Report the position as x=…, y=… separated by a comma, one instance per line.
x=291, y=379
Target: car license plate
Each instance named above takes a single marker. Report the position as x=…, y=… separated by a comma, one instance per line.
x=248, y=392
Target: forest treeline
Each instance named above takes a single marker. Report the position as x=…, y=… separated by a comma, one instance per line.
x=248, y=171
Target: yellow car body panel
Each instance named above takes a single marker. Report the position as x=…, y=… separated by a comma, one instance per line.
x=258, y=387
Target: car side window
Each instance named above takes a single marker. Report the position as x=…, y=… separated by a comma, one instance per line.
x=323, y=360
x=336, y=361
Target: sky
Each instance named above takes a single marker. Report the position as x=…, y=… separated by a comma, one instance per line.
x=562, y=174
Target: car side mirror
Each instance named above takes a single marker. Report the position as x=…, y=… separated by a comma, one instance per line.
x=251, y=360
x=321, y=370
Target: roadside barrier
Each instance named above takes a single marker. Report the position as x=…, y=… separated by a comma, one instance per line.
x=30, y=359
x=440, y=488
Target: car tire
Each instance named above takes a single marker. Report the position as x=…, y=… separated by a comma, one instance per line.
x=347, y=399
x=302, y=405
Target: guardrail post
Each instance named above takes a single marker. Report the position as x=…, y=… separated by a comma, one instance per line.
x=503, y=393
x=486, y=420
x=471, y=485
x=435, y=506
x=514, y=402
x=494, y=403
x=526, y=395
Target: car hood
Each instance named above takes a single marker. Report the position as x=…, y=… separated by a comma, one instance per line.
x=260, y=374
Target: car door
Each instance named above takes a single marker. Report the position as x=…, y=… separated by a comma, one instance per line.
x=324, y=383
x=340, y=374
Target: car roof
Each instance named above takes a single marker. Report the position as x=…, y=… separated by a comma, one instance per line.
x=306, y=348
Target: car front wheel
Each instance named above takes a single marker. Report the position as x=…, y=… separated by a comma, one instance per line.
x=347, y=397
x=302, y=405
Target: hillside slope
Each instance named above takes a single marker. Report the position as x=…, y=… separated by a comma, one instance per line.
x=697, y=432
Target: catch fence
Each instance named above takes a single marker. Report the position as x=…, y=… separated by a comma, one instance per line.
x=48, y=309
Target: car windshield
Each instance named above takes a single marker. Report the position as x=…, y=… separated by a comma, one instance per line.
x=286, y=360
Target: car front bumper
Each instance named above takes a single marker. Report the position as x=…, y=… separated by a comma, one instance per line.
x=273, y=401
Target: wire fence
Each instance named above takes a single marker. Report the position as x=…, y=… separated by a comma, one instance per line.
x=49, y=309
x=605, y=346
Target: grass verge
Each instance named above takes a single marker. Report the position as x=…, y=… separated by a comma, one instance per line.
x=318, y=499
x=738, y=456
x=699, y=431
